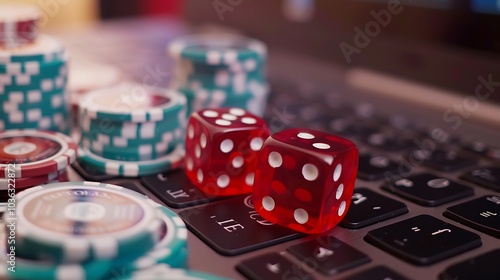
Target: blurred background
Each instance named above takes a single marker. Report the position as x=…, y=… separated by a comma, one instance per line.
x=428, y=42
x=78, y=13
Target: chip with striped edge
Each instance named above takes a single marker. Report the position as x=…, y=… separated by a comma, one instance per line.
x=44, y=49
x=246, y=66
x=132, y=153
x=169, y=137
x=130, y=130
x=218, y=49
x=85, y=221
x=30, y=269
x=171, y=249
x=132, y=103
x=31, y=153
x=222, y=80
x=164, y=272
x=23, y=183
x=254, y=101
x=55, y=122
x=32, y=68
x=18, y=24
x=168, y=162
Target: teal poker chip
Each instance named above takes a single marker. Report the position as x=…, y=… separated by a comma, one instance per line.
x=33, y=68
x=164, y=272
x=218, y=49
x=201, y=98
x=63, y=127
x=34, y=118
x=168, y=162
x=132, y=103
x=131, y=153
x=30, y=269
x=130, y=130
x=171, y=249
x=55, y=100
x=248, y=66
x=84, y=221
x=44, y=49
x=46, y=82
x=120, y=148
x=26, y=83
x=59, y=123
x=222, y=80
x=254, y=102
x=171, y=138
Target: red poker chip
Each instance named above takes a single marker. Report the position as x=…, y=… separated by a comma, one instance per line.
x=33, y=153
x=24, y=183
x=18, y=24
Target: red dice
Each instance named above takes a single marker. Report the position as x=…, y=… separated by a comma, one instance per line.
x=222, y=148
x=305, y=179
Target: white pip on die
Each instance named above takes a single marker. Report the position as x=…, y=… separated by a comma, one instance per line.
x=222, y=148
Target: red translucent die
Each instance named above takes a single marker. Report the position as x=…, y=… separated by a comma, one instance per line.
x=222, y=150
x=305, y=179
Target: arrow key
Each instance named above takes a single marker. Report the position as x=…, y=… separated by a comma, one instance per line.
x=368, y=207
x=328, y=255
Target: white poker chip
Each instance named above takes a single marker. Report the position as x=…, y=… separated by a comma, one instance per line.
x=85, y=221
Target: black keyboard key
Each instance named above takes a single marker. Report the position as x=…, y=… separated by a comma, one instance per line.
x=428, y=190
x=131, y=186
x=481, y=149
x=89, y=173
x=368, y=207
x=374, y=167
x=423, y=240
x=389, y=141
x=377, y=273
x=440, y=136
x=488, y=177
x=477, y=148
x=481, y=213
x=175, y=189
x=443, y=160
x=233, y=227
x=272, y=266
x=328, y=255
x=353, y=127
x=484, y=267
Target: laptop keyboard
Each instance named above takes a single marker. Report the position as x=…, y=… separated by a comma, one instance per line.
x=390, y=147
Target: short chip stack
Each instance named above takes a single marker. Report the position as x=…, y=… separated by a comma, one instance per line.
x=220, y=71
x=33, y=75
x=31, y=157
x=18, y=24
x=90, y=230
x=132, y=130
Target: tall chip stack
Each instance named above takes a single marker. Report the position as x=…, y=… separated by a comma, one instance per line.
x=33, y=74
x=220, y=71
x=132, y=130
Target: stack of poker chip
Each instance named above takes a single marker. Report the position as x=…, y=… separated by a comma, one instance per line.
x=18, y=24
x=132, y=130
x=32, y=157
x=33, y=75
x=220, y=71
x=90, y=230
